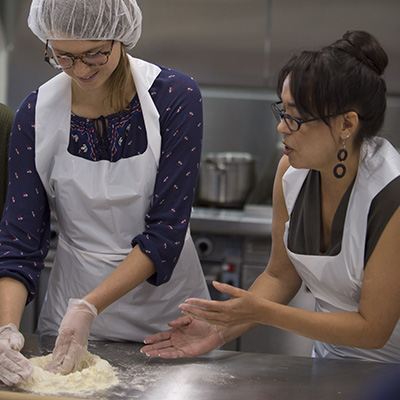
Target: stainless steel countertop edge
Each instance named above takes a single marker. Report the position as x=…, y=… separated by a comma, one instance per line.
x=253, y=220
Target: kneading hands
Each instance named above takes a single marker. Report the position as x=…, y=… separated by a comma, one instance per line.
x=70, y=346
x=14, y=367
x=72, y=341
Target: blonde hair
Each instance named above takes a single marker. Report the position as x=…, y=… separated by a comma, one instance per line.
x=117, y=84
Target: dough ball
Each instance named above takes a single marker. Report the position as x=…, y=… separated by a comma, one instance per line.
x=93, y=374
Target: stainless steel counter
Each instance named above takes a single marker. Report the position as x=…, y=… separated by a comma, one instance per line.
x=223, y=375
x=253, y=220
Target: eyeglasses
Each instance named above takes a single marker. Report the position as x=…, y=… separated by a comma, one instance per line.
x=292, y=123
x=67, y=62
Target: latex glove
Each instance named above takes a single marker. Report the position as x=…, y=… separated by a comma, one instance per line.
x=73, y=334
x=14, y=367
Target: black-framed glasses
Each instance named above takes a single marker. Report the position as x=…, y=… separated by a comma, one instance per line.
x=67, y=62
x=292, y=123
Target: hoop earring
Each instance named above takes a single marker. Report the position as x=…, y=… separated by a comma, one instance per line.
x=340, y=169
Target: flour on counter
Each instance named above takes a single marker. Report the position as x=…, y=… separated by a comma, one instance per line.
x=93, y=374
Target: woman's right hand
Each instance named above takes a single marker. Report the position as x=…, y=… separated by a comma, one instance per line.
x=14, y=367
x=189, y=337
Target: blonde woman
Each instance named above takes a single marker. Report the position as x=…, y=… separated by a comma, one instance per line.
x=112, y=146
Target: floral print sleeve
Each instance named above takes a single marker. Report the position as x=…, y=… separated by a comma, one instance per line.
x=179, y=103
x=25, y=226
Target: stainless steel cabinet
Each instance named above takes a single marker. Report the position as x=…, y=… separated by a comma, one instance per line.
x=218, y=42
x=245, y=42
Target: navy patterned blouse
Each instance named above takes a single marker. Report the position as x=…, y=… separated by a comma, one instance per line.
x=25, y=226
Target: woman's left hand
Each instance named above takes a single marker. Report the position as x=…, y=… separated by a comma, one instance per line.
x=242, y=307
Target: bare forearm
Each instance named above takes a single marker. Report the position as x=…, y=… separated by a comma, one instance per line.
x=341, y=328
x=278, y=290
x=13, y=295
x=134, y=270
x=269, y=287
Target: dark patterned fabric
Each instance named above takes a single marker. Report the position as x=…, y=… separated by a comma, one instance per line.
x=6, y=120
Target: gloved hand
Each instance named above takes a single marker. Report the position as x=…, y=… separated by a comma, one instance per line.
x=72, y=341
x=13, y=365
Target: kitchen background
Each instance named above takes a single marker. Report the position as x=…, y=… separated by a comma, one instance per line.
x=233, y=49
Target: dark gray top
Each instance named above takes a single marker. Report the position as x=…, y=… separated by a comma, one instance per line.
x=305, y=223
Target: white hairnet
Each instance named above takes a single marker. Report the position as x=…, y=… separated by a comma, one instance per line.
x=119, y=20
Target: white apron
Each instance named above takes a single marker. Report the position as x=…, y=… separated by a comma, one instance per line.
x=336, y=281
x=100, y=206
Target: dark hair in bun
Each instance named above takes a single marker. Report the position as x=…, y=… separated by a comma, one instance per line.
x=365, y=48
x=345, y=76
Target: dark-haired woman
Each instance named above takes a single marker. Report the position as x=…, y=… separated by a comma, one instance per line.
x=336, y=219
